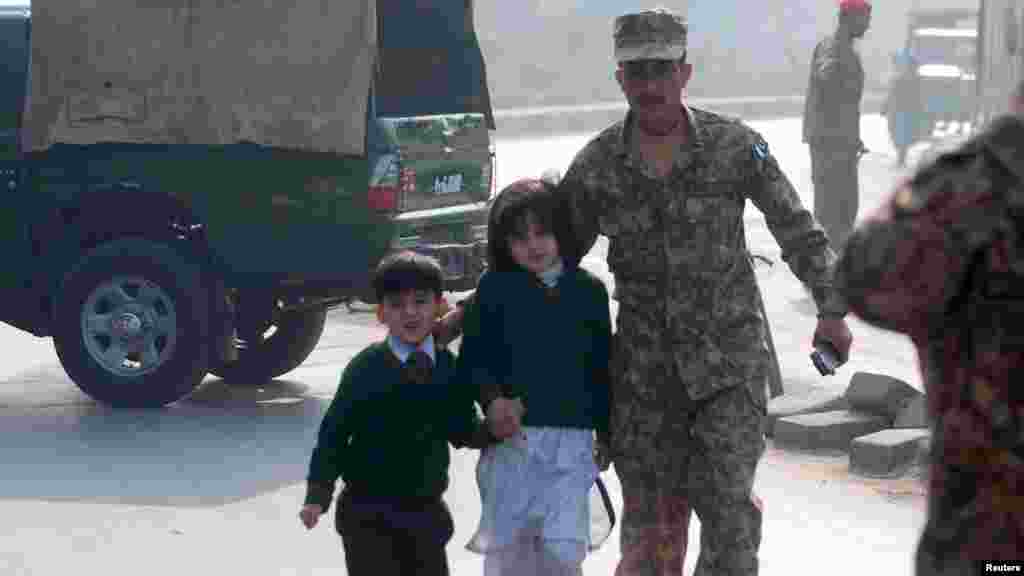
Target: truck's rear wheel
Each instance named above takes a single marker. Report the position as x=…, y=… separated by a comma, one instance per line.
x=132, y=324
x=282, y=347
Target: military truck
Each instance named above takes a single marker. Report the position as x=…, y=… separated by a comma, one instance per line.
x=185, y=195
x=1001, y=54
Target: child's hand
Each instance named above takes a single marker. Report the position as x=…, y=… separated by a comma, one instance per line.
x=504, y=417
x=310, y=515
x=449, y=326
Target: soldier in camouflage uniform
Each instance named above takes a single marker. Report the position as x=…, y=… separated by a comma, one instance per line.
x=667, y=186
x=943, y=262
x=832, y=121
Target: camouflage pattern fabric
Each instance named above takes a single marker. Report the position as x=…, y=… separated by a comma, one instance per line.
x=943, y=262
x=650, y=35
x=691, y=360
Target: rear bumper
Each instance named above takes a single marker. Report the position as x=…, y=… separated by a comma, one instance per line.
x=463, y=264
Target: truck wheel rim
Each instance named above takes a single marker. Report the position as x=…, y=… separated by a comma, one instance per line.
x=129, y=326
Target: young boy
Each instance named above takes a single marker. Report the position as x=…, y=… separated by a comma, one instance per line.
x=386, y=434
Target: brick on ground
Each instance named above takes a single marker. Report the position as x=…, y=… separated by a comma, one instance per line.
x=914, y=414
x=812, y=401
x=924, y=450
x=826, y=430
x=886, y=453
x=879, y=394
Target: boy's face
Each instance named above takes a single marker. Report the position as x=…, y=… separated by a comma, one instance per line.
x=410, y=315
x=532, y=247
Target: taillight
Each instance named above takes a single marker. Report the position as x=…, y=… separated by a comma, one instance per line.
x=383, y=189
x=383, y=198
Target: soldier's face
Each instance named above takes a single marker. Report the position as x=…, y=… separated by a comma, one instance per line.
x=533, y=247
x=860, y=21
x=654, y=89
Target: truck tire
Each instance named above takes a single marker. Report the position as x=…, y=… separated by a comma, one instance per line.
x=131, y=324
x=295, y=336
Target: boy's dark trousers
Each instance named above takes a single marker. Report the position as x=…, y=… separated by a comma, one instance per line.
x=394, y=537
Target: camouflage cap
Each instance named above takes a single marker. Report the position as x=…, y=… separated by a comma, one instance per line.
x=650, y=35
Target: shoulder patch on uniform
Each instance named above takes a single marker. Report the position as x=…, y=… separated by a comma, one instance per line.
x=763, y=159
x=760, y=149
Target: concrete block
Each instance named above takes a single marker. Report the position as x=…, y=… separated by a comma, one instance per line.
x=914, y=414
x=825, y=430
x=812, y=401
x=879, y=394
x=924, y=451
x=887, y=453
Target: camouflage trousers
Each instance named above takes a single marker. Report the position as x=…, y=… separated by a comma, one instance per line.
x=672, y=454
x=836, y=190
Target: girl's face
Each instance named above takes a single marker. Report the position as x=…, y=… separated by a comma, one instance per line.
x=532, y=247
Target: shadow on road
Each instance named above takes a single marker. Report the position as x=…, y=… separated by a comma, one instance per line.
x=224, y=444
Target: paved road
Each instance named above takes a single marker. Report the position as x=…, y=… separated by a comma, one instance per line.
x=212, y=485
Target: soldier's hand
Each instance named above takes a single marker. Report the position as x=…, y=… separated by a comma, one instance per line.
x=310, y=515
x=835, y=331
x=504, y=417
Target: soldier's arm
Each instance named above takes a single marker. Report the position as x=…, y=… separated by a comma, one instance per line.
x=578, y=197
x=827, y=69
x=902, y=267
x=804, y=244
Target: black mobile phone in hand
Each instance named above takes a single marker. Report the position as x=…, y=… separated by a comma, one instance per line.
x=825, y=358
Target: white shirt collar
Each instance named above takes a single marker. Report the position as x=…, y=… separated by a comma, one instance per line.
x=403, y=350
x=550, y=276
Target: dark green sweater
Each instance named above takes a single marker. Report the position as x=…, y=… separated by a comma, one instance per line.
x=385, y=436
x=550, y=351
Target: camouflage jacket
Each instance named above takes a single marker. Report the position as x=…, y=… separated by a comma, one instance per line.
x=943, y=262
x=677, y=246
x=834, y=91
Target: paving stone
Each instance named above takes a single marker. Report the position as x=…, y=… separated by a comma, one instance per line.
x=924, y=451
x=826, y=430
x=879, y=394
x=886, y=453
x=811, y=401
x=914, y=414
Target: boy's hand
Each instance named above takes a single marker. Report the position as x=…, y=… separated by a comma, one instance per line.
x=310, y=515
x=504, y=417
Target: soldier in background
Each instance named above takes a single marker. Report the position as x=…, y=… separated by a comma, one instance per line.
x=942, y=261
x=667, y=186
x=832, y=121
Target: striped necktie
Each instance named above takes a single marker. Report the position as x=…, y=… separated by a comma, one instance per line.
x=418, y=367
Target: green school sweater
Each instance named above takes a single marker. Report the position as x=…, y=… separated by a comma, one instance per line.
x=551, y=351
x=385, y=436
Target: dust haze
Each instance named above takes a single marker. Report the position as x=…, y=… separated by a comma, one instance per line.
x=559, y=52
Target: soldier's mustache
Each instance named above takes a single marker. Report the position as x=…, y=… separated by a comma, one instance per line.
x=650, y=100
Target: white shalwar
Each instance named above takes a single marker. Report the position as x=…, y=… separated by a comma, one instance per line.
x=535, y=502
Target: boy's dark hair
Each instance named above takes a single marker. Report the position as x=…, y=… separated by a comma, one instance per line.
x=508, y=218
x=407, y=270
